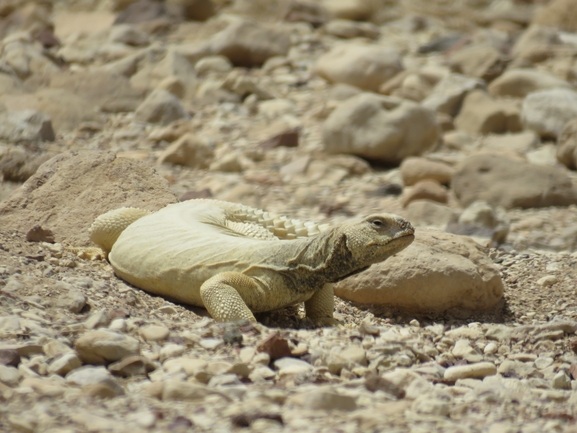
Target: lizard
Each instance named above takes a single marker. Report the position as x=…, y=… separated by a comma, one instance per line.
x=235, y=260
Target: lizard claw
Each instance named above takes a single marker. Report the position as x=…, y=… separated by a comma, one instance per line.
x=328, y=321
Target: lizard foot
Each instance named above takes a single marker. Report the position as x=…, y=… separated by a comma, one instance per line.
x=328, y=322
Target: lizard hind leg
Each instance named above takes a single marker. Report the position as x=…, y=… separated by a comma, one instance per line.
x=107, y=227
x=220, y=296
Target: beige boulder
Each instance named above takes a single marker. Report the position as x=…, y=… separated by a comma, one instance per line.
x=110, y=92
x=448, y=94
x=510, y=183
x=161, y=107
x=66, y=110
x=481, y=114
x=248, y=43
x=363, y=66
x=561, y=14
x=70, y=190
x=382, y=128
x=547, y=111
x=105, y=346
x=426, y=190
x=415, y=169
x=357, y=10
x=567, y=145
x=429, y=213
x=437, y=272
x=535, y=45
x=519, y=83
x=188, y=150
x=479, y=60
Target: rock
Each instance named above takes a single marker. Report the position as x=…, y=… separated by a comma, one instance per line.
x=275, y=108
x=485, y=225
x=75, y=187
x=154, y=332
x=426, y=190
x=521, y=142
x=305, y=11
x=547, y=281
x=427, y=405
x=38, y=234
x=274, y=346
x=415, y=169
x=546, y=112
x=322, y=399
x=429, y=213
x=284, y=139
x=191, y=366
x=73, y=301
x=288, y=366
x=559, y=14
x=567, y=145
x=213, y=64
x=158, y=65
x=129, y=35
x=363, y=66
x=518, y=83
x=175, y=390
x=9, y=357
x=45, y=387
x=65, y=109
x=447, y=96
x=535, y=45
x=475, y=371
x=482, y=177
x=196, y=10
x=374, y=382
x=105, y=90
x=463, y=349
x=248, y=43
x=437, y=272
x=9, y=375
x=171, y=350
x=89, y=376
x=64, y=364
x=18, y=165
x=104, y=346
x=141, y=11
x=381, y=128
x=188, y=150
x=347, y=29
x=26, y=125
x=481, y=114
x=97, y=319
x=517, y=369
x=355, y=10
x=479, y=61
x=561, y=381
x=131, y=366
x=161, y=107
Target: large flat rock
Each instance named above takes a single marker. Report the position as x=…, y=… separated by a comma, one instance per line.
x=437, y=272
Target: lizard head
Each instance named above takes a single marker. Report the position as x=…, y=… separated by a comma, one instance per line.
x=378, y=237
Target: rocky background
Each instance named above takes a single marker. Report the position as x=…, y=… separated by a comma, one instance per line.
x=459, y=115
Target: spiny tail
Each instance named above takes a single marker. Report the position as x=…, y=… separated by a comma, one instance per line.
x=107, y=227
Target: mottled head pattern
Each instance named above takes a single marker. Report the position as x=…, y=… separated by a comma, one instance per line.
x=377, y=237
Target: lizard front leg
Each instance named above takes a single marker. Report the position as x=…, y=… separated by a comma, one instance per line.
x=320, y=307
x=221, y=296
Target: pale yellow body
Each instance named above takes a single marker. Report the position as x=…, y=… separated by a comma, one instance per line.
x=232, y=259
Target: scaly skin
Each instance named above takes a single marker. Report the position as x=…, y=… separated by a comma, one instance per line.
x=235, y=260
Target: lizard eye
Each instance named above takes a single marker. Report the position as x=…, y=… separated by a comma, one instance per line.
x=377, y=223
